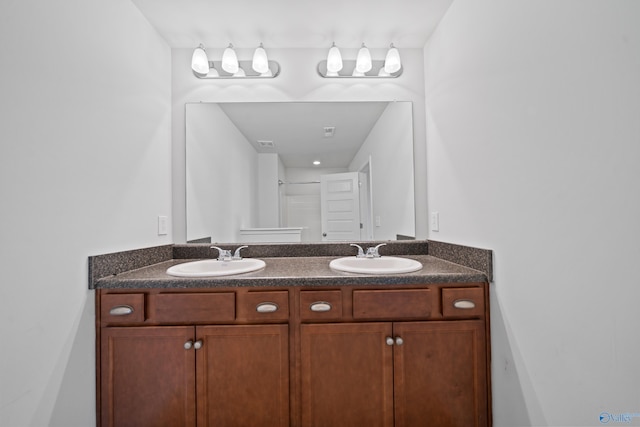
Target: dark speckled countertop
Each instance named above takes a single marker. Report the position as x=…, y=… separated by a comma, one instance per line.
x=292, y=271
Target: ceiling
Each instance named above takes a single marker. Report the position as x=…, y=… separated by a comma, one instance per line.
x=296, y=129
x=294, y=23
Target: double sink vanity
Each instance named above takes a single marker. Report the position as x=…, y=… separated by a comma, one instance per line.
x=293, y=335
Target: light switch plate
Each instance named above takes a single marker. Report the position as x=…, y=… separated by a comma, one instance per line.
x=435, y=221
x=163, y=225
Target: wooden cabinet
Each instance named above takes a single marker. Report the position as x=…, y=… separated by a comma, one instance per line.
x=147, y=377
x=191, y=375
x=243, y=376
x=440, y=374
x=346, y=375
x=351, y=356
x=394, y=374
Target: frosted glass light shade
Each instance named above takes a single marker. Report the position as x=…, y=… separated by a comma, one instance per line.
x=199, y=61
x=334, y=60
x=363, y=61
x=260, y=61
x=230, y=60
x=392, y=62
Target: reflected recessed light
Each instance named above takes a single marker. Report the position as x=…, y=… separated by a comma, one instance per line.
x=316, y=162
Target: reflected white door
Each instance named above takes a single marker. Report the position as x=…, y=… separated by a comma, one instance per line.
x=340, y=207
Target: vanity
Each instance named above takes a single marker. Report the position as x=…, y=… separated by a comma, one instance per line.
x=295, y=343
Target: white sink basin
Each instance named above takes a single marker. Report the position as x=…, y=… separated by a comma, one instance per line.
x=213, y=267
x=382, y=265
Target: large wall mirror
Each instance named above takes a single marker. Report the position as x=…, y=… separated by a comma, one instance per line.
x=299, y=171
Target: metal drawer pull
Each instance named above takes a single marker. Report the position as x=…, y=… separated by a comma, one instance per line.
x=197, y=345
x=320, y=306
x=399, y=341
x=389, y=341
x=121, y=310
x=267, y=307
x=188, y=345
x=464, y=304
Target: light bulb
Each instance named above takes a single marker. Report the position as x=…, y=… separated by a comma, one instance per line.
x=260, y=61
x=199, y=60
x=334, y=59
x=230, y=60
x=363, y=62
x=392, y=61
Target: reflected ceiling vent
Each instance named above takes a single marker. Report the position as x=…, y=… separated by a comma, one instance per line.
x=329, y=131
x=266, y=144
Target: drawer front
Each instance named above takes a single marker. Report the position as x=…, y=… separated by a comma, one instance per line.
x=270, y=305
x=122, y=308
x=463, y=302
x=392, y=304
x=320, y=305
x=194, y=308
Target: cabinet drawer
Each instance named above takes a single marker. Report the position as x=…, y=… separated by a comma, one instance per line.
x=270, y=305
x=194, y=308
x=396, y=304
x=463, y=302
x=320, y=305
x=122, y=308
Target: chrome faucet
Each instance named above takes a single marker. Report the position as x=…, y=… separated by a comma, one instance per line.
x=373, y=252
x=360, y=250
x=236, y=254
x=223, y=254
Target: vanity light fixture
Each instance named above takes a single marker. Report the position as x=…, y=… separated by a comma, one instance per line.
x=363, y=62
x=334, y=60
x=392, y=63
x=363, y=66
x=232, y=68
x=199, y=60
x=230, y=60
x=260, y=62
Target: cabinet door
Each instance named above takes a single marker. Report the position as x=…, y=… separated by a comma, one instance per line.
x=243, y=376
x=346, y=375
x=147, y=377
x=440, y=374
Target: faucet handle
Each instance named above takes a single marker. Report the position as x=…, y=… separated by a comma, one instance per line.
x=373, y=252
x=360, y=250
x=236, y=254
x=223, y=254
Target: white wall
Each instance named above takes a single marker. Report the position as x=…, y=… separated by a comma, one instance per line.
x=389, y=150
x=298, y=81
x=268, y=191
x=533, y=120
x=84, y=169
x=222, y=167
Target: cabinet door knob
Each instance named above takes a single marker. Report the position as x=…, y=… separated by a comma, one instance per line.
x=389, y=341
x=197, y=345
x=267, y=307
x=399, y=341
x=188, y=345
x=121, y=310
x=320, y=306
